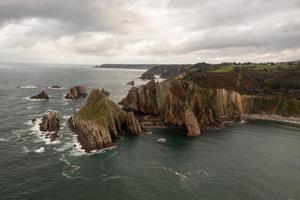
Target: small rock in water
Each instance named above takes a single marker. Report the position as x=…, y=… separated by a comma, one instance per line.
x=130, y=83
x=42, y=95
x=76, y=92
x=162, y=140
x=55, y=86
x=33, y=121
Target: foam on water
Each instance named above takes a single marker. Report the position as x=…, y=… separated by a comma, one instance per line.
x=4, y=140
x=29, y=87
x=28, y=99
x=40, y=150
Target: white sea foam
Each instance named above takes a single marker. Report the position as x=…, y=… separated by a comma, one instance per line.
x=102, y=150
x=182, y=176
x=149, y=133
x=40, y=150
x=66, y=116
x=202, y=172
x=161, y=140
x=4, y=140
x=25, y=149
x=28, y=99
x=28, y=87
x=113, y=178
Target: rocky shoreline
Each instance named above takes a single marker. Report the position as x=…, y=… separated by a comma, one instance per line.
x=275, y=118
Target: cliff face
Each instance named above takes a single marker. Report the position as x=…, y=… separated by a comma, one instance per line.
x=100, y=121
x=185, y=104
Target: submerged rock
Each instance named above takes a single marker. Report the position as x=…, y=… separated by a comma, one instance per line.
x=42, y=95
x=130, y=83
x=55, y=87
x=76, y=92
x=50, y=124
x=100, y=121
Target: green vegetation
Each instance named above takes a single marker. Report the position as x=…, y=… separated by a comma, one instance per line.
x=289, y=107
x=94, y=111
x=257, y=66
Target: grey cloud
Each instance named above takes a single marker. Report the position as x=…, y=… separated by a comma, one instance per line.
x=153, y=29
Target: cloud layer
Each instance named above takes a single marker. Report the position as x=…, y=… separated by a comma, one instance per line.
x=144, y=31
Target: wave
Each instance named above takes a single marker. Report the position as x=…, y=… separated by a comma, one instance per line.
x=40, y=150
x=161, y=140
x=113, y=178
x=29, y=87
x=28, y=99
x=4, y=140
x=182, y=176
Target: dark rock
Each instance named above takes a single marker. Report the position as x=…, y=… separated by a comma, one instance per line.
x=106, y=93
x=33, y=121
x=130, y=83
x=50, y=125
x=42, y=95
x=76, y=92
x=100, y=121
x=55, y=87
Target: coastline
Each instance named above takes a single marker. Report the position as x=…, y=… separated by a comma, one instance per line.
x=275, y=118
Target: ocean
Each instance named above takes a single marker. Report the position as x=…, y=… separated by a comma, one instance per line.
x=253, y=160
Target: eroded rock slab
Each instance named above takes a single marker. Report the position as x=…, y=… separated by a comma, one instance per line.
x=76, y=92
x=41, y=95
x=100, y=121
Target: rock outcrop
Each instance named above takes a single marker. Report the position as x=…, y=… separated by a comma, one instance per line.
x=184, y=103
x=100, y=121
x=130, y=83
x=55, y=87
x=50, y=126
x=76, y=92
x=42, y=95
x=103, y=91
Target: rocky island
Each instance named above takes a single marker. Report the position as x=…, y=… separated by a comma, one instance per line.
x=42, y=95
x=50, y=126
x=100, y=121
x=76, y=92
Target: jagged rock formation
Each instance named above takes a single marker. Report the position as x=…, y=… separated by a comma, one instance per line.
x=130, y=83
x=103, y=91
x=50, y=124
x=185, y=103
x=100, y=121
x=55, y=87
x=42, y=95
x=76, y=92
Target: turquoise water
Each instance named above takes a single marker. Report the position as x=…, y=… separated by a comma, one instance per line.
x=258, y=160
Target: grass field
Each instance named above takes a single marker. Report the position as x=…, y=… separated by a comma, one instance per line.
x=259, y=66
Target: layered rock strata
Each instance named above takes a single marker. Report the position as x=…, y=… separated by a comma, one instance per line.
x=50, y=126
x=100, y=121
x=184, y=104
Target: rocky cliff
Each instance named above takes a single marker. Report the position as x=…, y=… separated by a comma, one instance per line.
x=100, y=121
x=50, y=126
x=184, y=103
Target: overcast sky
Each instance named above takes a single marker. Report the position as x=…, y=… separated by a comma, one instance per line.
x=144, y=31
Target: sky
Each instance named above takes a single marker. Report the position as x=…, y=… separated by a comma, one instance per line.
x=144, y=31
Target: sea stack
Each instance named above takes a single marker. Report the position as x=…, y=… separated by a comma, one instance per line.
x=100, y=121
x=41, y=95
x=50, y=124
x=76, y=92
